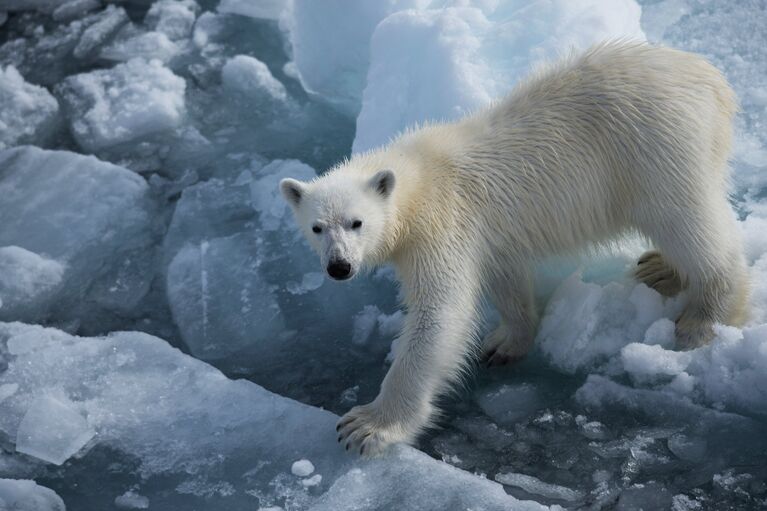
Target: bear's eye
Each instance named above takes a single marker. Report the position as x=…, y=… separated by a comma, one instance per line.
x=356, y=224
x=316, y=229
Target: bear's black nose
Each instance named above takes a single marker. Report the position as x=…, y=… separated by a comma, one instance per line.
x=339, y=269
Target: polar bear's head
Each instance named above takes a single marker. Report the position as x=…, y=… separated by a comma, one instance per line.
x=343, y=217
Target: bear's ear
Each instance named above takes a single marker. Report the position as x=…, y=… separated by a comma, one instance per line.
x=383, y=182
x=292, y=190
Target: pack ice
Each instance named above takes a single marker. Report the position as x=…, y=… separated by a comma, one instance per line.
x=169, y=341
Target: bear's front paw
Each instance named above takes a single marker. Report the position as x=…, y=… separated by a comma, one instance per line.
x=502, y=347
x=364, y=430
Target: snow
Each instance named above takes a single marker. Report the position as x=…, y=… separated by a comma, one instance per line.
x=130, y=101
x=250, y=76
x=26, y=495
x=27, y=112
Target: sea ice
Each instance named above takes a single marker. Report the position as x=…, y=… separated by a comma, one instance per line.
x=52, y=430
x=267, y=9
x=128, y=102
x=537, y=487
x=145, y=45
x=131, y=500
x=27, y=282
x=476, y=54
x=249, y=76
x=28, y=113
x=27, y=495
x=108, y=22
x=135, y=389
x=65, y=210
x=302, y=468
x=174, y=18
x=331, y=45
x=220, y=300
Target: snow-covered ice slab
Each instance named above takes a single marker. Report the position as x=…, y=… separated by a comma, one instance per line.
x=26, y=495
x=28, y=113
x=331, y=45
x=441, y=64
x=219, y=442
x=66, y=210
x=128, y=102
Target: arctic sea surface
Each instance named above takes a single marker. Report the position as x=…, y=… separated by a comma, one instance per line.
x=168, y=341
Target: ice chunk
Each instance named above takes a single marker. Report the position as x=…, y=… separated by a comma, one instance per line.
x=74, y=9
x=249, y=76
x=535, y=486
x=81, y=213
x=507, y=404
x=128, y=102
x=45, y=6
x=52, y=430
x=27, y=495
x=647, y=362
x=274, y=212
x=309, y=282
x=26, y=280
x=302, y=468
x=147, y=45
x=644, y=496
x=585, y=323
x=331, y=46
x=267, y=9
x=131, y=500
x=374, y=487
x=476, y=54
x=201, y=280
x=174, y=18
x=28, y=113
x=100, y=32
x=136, y=388
x=686, y=447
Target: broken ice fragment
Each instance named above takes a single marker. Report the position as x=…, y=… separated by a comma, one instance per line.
x=52, y=430
x=535, y=486
x=302, y=468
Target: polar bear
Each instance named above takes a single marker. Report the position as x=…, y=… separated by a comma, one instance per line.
x=626, y=137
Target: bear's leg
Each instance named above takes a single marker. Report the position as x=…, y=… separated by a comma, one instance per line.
x=431, y=354
x=704, y=246
x=512, y=294
x=655, y=272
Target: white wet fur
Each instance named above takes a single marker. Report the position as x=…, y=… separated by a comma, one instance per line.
x=625, y=137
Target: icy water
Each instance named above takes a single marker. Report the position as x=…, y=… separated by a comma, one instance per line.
x=168, y=341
